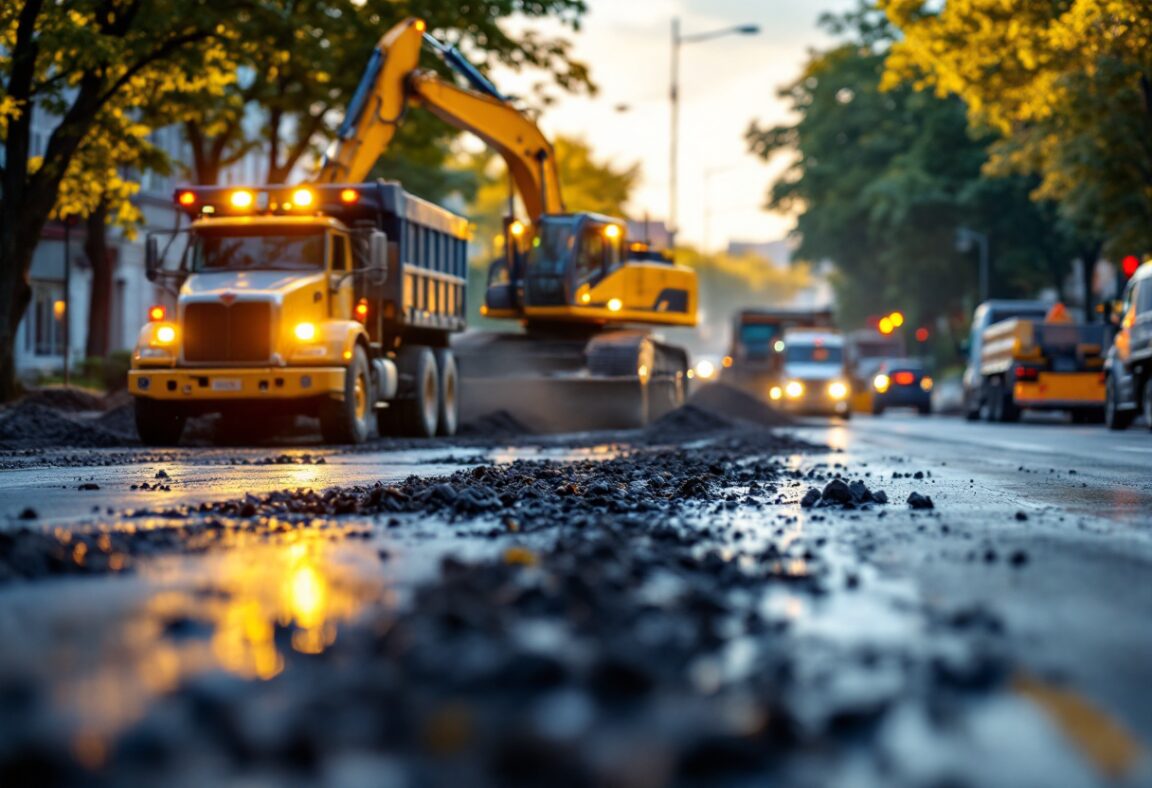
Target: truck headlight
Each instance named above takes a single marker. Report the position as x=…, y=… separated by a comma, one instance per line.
x=775, y=393
x=837, y=389
x=794, y=389
x=165, y=335
x=305, y=332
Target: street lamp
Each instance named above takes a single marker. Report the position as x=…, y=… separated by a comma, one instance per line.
x=677, y=41
x=965, y=239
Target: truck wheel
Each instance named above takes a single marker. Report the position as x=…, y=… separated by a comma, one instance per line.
x=993, y=402
x=346, y=421
x=448, y=402
x=1114, y=418
x=417, y=414
x=158, y=423
x=1009, y=411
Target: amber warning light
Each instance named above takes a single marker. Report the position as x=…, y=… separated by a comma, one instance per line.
x=186, y=199
x=156, y=314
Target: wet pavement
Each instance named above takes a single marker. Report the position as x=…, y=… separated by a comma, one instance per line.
x=642, y=610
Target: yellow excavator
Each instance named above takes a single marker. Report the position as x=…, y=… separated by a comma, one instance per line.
x=580, y=288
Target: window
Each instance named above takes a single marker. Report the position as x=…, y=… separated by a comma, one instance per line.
x=339, y=252
x=808, y=354
x=590, y=262
x=248, y=250
x=44, y=334
x=1144, y=299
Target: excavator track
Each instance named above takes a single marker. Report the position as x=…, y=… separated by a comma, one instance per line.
x=613, y=380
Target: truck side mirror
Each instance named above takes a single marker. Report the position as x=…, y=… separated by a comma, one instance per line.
x=151, y=258
x=378, y=254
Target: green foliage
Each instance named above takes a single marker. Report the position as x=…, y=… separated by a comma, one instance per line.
x=882, y=180
x=1068, y=87
x=302, y=60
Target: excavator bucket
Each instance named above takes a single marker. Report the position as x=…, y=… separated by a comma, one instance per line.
x=620, y=380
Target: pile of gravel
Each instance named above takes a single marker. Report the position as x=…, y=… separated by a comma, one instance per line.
x=29, y=425
x=65, y=398
x=737, y=405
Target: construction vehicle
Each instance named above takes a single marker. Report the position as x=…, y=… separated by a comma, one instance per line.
x=1031, y=363
x=756, y=356
x=332, y=300
x=575, y=281
x=867, y=350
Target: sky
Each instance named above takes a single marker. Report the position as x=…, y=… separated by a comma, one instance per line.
x=725, y=84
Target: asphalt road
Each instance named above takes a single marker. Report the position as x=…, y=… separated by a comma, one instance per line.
x=1042, y=523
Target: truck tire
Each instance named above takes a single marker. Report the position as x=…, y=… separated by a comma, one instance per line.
x=448, y=400
x=1114, y=417
x=346, y=420
x=416, y=413
x=1009, y=410
x=158, y=423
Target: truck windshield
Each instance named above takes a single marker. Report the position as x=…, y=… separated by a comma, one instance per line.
x=551, y=249
x=813, y=354
x=247, y=250
x=758, y=338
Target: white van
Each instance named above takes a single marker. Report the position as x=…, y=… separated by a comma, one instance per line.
x=815, y=377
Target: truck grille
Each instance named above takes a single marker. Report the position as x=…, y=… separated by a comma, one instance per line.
x=218, y=333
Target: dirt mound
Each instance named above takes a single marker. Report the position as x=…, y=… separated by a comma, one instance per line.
x=30, y=425
x=734, y=404
x=498, y=424
x=120, y=420
x=65, y=398
x=687, y=420
x=713, y=408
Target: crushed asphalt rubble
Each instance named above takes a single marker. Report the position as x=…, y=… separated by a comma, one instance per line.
x=632, y=621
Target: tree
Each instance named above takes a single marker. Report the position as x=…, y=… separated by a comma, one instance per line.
x=881, y=180
x=301, y=61
x=1067, y=84
x=88, y=66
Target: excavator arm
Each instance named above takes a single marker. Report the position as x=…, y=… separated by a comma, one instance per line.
x=393, y=80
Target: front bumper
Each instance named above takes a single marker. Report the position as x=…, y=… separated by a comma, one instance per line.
x=815, y=400
x=262, y=383
x=1061, y=390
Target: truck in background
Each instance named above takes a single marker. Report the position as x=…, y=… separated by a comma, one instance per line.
x=755, y=360
x=1029, y=362
x=332, y=300
x=987, y=313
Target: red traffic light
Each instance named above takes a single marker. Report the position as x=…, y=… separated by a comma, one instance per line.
x=921, y=334
x=1129, y=265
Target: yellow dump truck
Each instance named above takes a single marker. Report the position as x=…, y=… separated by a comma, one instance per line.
x=333, y=300
x=1027, y=363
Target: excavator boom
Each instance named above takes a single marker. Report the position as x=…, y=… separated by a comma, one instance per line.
x=393, y=80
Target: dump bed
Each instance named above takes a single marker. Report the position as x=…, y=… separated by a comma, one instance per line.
x=1053, y=347
x=426, y=284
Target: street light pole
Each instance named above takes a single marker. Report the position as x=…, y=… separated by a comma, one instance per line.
x=674, y=94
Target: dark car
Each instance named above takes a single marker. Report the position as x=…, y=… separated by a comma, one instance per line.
x=902, y=383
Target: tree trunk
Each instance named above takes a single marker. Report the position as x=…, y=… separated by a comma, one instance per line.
x=100, y=299
x=15, y=294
